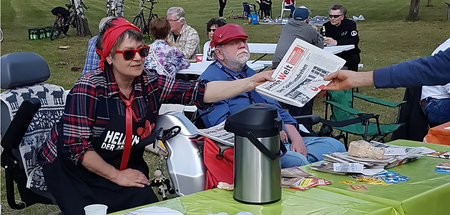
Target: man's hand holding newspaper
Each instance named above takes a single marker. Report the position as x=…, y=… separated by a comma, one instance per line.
x=299, y=77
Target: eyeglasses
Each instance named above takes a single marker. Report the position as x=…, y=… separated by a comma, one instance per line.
x=173, y=20
x=334, y=16
x=130, y=53
x=212, y=29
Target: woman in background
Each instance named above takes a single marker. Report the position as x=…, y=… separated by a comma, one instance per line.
x=208, y=48
x=164, y=58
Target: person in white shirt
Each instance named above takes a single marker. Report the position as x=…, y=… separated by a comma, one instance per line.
x=208, y=48
x=435, y=100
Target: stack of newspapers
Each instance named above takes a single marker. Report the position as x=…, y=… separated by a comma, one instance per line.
x=342, y=162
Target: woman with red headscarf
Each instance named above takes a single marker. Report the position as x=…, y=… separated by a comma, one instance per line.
x=95, y=154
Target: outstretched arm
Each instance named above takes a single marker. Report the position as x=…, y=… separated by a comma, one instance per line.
x=220, y=90
x=347, y=79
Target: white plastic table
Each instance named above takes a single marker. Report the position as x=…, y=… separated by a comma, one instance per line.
x=199, y=68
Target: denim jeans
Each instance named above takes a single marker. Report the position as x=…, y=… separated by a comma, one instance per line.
x=316, y=147
x=437, y=111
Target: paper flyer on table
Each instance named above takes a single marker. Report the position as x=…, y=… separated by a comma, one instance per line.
x=299, y=77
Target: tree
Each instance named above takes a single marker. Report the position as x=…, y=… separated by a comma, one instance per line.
x=414, y=10
x=80, y=20
x=429, y=4
x=114, y=8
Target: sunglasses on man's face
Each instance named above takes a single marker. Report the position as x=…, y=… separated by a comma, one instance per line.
x=211, y=29
x=130, y=53
x=334, y=16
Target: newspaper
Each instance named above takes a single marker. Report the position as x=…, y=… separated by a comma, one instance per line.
x=394, y=156
x=299, y=76
x=219, y=134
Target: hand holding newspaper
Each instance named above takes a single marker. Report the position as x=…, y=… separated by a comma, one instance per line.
x=299, y=76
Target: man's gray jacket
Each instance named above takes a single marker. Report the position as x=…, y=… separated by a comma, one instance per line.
x=295, y=29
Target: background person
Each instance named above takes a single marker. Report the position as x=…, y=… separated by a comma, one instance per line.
x=184, y=37
x=232, y=54
x=165, y=59
x=297, y=27
x=342, y=31
x=95, y=154
x=92, y=57
x=208, y=48
x=222, y=4
x=435, y=100
x=266, y=7
x=289, y=4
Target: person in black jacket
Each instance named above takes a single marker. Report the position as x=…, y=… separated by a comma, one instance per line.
x=342, y=31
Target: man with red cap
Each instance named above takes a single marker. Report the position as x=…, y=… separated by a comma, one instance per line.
x=232, y=54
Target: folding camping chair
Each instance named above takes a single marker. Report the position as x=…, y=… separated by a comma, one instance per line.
x=284, y=9
x=369, y=127
x=248, y=9
x=29, y=108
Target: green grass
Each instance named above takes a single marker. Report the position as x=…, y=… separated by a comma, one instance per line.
x=385, y=38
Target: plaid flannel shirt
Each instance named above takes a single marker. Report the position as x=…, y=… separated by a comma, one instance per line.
x=86, y=114
x=92, y=58
x=187, y=42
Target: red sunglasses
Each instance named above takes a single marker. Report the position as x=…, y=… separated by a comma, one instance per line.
x=130, y=53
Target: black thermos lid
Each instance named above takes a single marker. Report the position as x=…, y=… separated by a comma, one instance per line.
x=261, y=119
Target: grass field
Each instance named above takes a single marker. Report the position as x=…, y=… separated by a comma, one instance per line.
x=385, y=38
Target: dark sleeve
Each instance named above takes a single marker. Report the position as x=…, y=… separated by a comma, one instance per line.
x=431, y=70
x=352, y=37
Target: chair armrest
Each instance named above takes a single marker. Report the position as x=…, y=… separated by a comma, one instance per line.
x=344, y=108
x=307, y=119
x=378, y=101
x=19, y=124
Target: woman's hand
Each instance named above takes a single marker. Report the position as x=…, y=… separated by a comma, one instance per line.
x=127, y=178
x=261, y=77
x=220, y=90
x=130, y=178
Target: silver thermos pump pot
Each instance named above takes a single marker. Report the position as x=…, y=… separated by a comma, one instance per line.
x=257, y=171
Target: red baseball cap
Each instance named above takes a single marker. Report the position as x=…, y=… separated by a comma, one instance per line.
x=227, y=33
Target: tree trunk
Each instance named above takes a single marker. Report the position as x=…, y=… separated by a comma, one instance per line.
x=414, y=10
x=429, y=4
x=80, y=20
x=114, y=8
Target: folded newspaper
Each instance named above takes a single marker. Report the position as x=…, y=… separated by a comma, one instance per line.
x=393, y=156
x=299, y=76
x=218, y=133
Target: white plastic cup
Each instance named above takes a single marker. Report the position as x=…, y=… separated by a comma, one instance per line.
x=95, y=209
